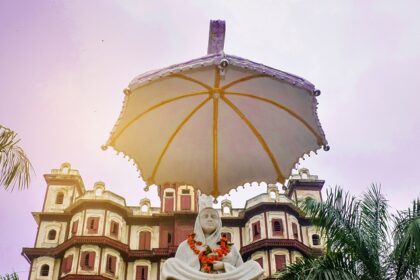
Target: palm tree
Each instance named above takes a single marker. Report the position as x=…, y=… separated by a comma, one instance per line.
x=15, y=167
x=12, y=276
x=360, y=243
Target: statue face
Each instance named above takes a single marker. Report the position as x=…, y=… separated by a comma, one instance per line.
x=209, y=220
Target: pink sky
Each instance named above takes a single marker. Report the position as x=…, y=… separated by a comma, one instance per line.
x=64, y=64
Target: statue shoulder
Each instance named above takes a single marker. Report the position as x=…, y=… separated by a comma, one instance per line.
x=182, y=249
x=183, y=244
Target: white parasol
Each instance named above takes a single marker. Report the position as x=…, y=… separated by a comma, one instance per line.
x=217, y=122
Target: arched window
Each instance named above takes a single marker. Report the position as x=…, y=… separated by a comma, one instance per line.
x=52, y=234
x=295, y=231
x=67, y=264
x=185, y=199
x=169, y=199
x=59, y=198
x=277, y=225
x=256, y=230
x=111, y=262
x=144, y=240
x=45, y=270
x=141, y=272
x=92, y=224
x=87, y=260
x=315, y=239
x=114, y=229
x=280, y=262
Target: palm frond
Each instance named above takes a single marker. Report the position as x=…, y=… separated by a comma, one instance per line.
x=373, y=230
x=355, y=227
x=337, y=218
x=406, y=254
x=15, y=167
x=12, y=276
x=331, y=266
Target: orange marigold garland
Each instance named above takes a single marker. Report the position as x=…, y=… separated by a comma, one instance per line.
x=208, y=256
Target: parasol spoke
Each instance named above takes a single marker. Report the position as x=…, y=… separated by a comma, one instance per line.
x=280, y=106
x=165, y=148
x=185, y=77
x=160, y=104
x=247, y=78
x=215, y=148
x=263, y=143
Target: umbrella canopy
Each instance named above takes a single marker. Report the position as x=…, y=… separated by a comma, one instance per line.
x=217, y=122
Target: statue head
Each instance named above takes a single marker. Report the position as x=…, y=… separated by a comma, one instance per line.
x=209, y=220
x=208, y=226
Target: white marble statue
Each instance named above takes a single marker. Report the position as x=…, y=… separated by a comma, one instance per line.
x=186, y=264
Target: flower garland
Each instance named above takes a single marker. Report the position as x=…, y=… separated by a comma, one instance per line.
x=208, y=256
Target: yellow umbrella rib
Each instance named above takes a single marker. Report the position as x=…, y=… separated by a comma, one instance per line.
x=247, y=78
x=264, y=144
x=165, y=148
x=215, y=139
x=215, y=147
x=185, y=77
x=282, y=107
x=160, y=104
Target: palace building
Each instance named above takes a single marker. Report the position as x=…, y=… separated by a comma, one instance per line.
x=93, y=235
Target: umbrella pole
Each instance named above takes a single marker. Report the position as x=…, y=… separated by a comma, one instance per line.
x=216, y=36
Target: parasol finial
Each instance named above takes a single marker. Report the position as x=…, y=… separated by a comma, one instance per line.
x=216, y=36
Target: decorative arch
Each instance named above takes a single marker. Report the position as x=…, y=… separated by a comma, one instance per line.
x=145, y=238
x=169, y=200
x=185, y=198
x=273, y=191
x=226, y=207
x=142, y=269
x=40, y=262
x=111, y=262
x=145, y=206
x=115, y=225
x=44, y=271
x=99, y=188
x=49, y=230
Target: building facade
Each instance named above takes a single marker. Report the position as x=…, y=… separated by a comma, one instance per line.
x=93, y=234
